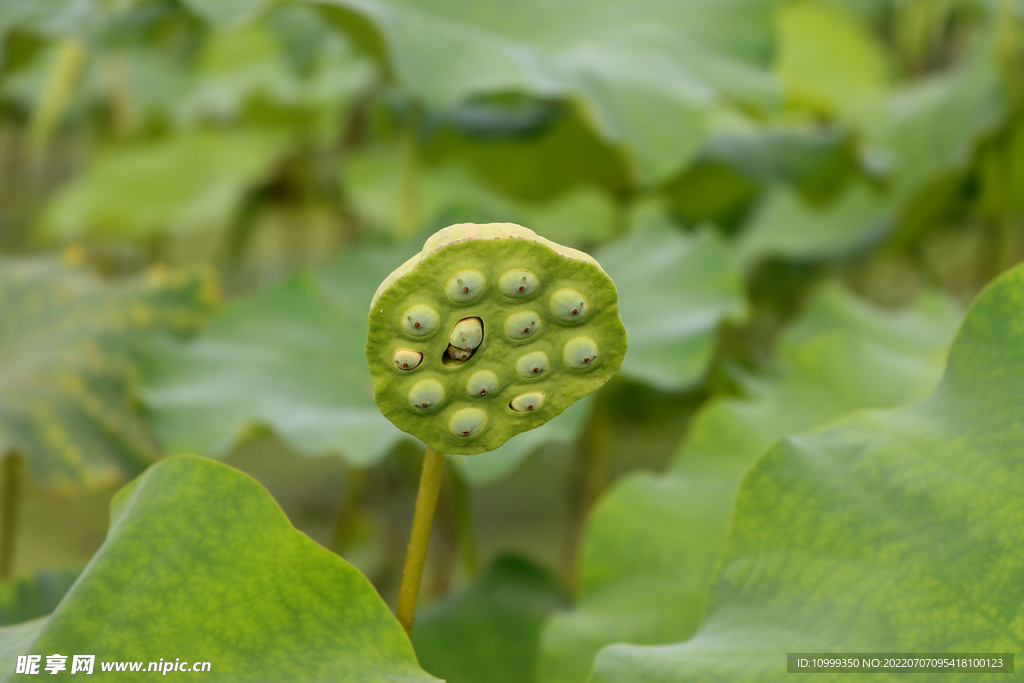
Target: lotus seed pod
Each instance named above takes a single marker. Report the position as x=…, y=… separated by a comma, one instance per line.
x=580, y=353
x=466, y=286
x=420, y=321
x=407, y=359
x=522, y=325
x=467, y=422
x=478, y=391
x=426, y=395
x=482, y=383
x=518, y=284
x=569, y=306
x=533, y=364
x=524, y=403
x=467, y=334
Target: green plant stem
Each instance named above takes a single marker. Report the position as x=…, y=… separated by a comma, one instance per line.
x=408, y=211
x=419, y=538
x=588, y=479
x=463, y=499
x=9, y=510
x=346, y=514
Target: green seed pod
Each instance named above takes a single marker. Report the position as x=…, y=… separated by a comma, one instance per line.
x=524, y=403
x=426, y=395
x=482, y=383
x=518, y=284
x=407, y=359
x=467, y=422
x=466, y=286
x=420, y=321
x=467, y=334
x=569, y=306
x=522, y=325
x=580, y=353
x=478, y=391
x=533, y=364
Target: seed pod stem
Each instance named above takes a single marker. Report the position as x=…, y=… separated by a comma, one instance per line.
x=415, y=556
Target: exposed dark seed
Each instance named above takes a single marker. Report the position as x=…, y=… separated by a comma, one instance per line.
x=465, y=289
x=529, y=406
x=465, y=432
x=426, y=405
x=536, y=369
x=575, y=311
x=416, y=324
x=586, y=360
x=483, y=391
x=521, y=288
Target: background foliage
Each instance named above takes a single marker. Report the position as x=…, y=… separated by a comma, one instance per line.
x=798, y=199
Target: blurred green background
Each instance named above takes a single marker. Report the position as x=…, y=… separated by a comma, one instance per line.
x=796, y=198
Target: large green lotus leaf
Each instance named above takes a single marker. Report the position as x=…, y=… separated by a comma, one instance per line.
x=490, y=630
x=290, y=357
x=448, y=192
x=675, y=290
x=200, y=563
x=34, y=596
x=929, y=129
x=535, y=165
x=888, y=531
x=646, y=74
x=652, y=541
x=786, y=225
x=69, y=353
x=828, y=59
x=227, y=13
x=190, y=181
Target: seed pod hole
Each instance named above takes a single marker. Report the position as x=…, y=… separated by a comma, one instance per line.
x=580, y=353
x=407, y=359
x=532, y=364
x=420, y=321
x=568, y=305
x=482, y=383
x=466, y=286
x=426, y=395
x=522, y=325
x=518, y=284
x=524, y=403
x=467, y=334
x=467, y=422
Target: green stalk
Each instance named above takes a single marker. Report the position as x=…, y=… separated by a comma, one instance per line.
x=462, y=498
x=408, y=211
x=419, y=538
x=9, y=510
x=588, y=479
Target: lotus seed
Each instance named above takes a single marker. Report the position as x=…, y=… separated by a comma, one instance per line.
x=532, y=364
x=522, y=325
x=467, y=422
x=467, y=334
x=459, y=354
x=466, y=286
x=482, y=383
x=407, y=359
x=568, y=305
x=580, y=353
x=426, y=395
x=419, y=321
x=518, y=283
x=526, y=402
